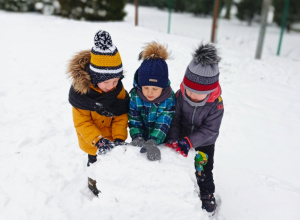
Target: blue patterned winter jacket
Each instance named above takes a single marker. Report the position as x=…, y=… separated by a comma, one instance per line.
x=150, y=120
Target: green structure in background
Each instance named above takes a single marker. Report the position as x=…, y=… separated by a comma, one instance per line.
x=170, y=12
x=283, y=24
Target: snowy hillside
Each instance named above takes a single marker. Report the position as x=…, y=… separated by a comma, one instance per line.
x=42, y=169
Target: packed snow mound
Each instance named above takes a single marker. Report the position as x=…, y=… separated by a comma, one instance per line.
x=135, y=188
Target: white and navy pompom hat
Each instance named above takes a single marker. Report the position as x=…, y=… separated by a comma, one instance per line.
x=202, y=73
x=105, y=60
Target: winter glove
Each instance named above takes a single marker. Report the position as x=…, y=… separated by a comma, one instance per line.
x=172, y=143
x=104, y=145
x=153, y=153
x=183, y=146
x=139, y=142
x=119, y=142
x=200, y=160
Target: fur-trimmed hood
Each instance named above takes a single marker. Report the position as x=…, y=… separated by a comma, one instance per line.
x=81, y=79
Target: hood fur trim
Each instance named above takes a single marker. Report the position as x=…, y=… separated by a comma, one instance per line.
x=81, y=80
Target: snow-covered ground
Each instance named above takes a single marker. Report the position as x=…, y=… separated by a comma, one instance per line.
x=42, y=169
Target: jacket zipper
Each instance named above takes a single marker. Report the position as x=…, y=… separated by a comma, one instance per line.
x=193, y=119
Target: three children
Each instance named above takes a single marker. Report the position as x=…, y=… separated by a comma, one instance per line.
x=102, y=107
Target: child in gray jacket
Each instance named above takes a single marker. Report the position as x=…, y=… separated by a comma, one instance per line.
x=198, y=115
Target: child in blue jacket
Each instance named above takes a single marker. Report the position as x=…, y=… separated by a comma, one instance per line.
x=152, y=101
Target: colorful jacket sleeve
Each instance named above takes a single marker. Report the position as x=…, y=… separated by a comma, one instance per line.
x=164, y=120
x=120, y=123
x=136, y=125
x=210, y=126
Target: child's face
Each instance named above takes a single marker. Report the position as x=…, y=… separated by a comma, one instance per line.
x=195, y=97
x=108, y=85
x=151, y=92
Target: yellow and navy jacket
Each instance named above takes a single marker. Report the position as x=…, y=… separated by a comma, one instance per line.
x=91, y=126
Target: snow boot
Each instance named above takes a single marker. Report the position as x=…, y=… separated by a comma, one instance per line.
x=208, y=202
x=92, y=186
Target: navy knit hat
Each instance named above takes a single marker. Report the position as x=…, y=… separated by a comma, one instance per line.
x=202, y=74
x=154, y=69
x=105, y=60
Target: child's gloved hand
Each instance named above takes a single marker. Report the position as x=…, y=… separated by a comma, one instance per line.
x=153, y=153
x=119, y=142
x=183, y=146
x=104, y=145
x=172, y=143
x=200, y=160
x=139, y=142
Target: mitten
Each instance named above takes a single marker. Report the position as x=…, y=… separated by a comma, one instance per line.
x=172, y=143
x=200, y=160
x=183, y=146
x=104, y=145
x=153, y=153
x=139, y=141
x=119, y=142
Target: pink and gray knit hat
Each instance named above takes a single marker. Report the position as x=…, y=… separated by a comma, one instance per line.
x=202, y=74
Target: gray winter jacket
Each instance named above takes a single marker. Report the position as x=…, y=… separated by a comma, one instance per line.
x=200, y=124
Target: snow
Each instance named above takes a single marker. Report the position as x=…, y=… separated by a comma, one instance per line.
x=42, y=169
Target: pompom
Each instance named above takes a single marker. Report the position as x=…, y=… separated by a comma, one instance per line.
x=103, y=40
x=154, y=50
x=206, y=55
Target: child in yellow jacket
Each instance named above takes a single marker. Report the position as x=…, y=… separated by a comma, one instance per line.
x=100, y=102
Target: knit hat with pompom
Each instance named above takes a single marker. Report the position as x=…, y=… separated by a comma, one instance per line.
x=154, y=69
x=105, y=60
x=202, y=74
